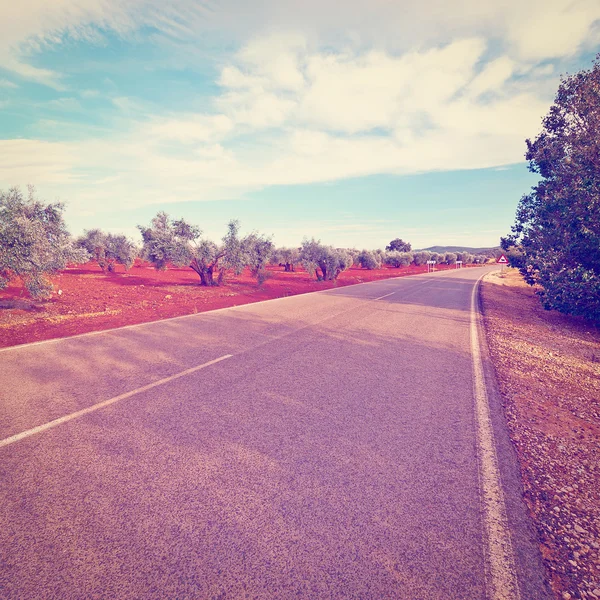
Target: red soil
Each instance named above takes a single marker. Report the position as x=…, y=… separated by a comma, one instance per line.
x=86, y=299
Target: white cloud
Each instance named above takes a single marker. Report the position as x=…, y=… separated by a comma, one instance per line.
x=552, y=29
x=5, y=83
x=531, y=30
x=193, y=128
x=329, y=116
x=37, y=162
x=66, y=104
x=89, y=93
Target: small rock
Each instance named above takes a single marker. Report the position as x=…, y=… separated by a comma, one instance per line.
x=579, y=529
x=566, y=596
x=168, y=297
x=596, y=593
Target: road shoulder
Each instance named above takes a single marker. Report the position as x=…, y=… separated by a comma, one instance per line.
x=547, y=369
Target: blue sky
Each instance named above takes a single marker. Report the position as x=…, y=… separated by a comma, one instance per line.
x=353, y=125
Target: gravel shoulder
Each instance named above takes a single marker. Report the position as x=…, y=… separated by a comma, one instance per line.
x=548, y=371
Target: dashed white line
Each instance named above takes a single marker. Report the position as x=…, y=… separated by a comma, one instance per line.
x=75, y=415
x=501, y=578
x=385, y=296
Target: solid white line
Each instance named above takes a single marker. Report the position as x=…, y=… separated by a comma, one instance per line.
x=500, y=565
x=29, y=432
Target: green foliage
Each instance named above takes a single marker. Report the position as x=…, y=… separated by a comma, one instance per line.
x=323, y=261
x=368, y=260
x=398, y=259
x=34, y=241
x=555, y=240
x=107, y=249
x=168, y=241
x=465, y=257
x=287, y=258
x=421, y=258
x=450, y=258
x=398, y=245
x=259, y=251
x=178, y=242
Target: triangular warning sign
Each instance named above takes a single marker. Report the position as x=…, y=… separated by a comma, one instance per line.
x=502, y=260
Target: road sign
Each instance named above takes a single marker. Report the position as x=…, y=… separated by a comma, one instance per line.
x=502, y=260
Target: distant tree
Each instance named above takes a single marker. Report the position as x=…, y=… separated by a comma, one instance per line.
x=398, y=259
x=557, y=225
x=259, y=250
x=368, y=260
x=421, y=258
x=398, y=245
x=287, y=258
x=34, y=241
x=450, y=258
x=178, y=242
x=108, y=249
x=323, y=261
x=168, y=241
x=465, y=257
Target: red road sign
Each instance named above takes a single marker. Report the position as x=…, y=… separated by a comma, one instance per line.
x=502, y=260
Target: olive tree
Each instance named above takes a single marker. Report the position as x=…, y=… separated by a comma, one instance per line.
x=108, y=249
x=178, y=242
x=450, y=258
x=398, y=259
x=368, y=260
x=421, y=258
x=323, y=261
x=398, y=245
x=287, y=258
x=34, y=241
x=258, y=251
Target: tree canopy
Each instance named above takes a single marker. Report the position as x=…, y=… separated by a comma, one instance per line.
x=398, y=245
x=34, y=241
x=555, y=240
x=325, y=262
x=108, y=249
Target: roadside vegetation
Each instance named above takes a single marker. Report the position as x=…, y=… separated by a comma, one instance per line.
x=35, y=244
x=555, y=241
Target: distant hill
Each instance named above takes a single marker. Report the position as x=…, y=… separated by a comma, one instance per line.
x=496, y=251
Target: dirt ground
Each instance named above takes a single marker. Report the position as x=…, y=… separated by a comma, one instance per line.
x=86, y=299
x=548, y=369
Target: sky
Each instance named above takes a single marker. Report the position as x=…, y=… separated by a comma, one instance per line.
x=354, y=122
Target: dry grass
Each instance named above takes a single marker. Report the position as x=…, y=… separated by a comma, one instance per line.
x=548, y=369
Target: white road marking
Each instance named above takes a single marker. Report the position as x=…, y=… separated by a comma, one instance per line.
x=29, y=432
x=500, y=565
x=381, y=297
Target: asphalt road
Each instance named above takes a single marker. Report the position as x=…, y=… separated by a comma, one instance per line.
x=332, y=452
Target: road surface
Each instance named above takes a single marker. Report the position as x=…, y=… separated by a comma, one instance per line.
x=329, y=445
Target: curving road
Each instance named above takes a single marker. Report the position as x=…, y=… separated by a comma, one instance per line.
x=320, y=446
